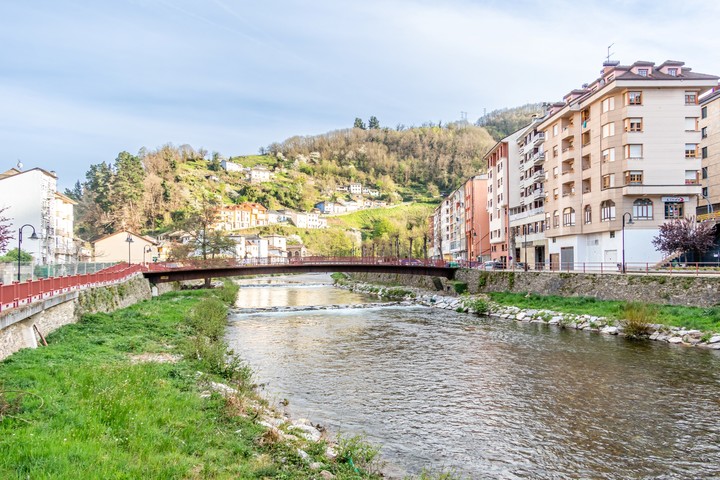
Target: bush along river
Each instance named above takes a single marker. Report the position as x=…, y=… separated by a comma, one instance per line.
x=479, y=397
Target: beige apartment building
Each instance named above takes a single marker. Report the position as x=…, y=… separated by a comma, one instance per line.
x=527, y=199
x=710, y=155
x=623, y=147
x=502, y=182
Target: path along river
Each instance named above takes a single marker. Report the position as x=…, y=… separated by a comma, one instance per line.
x=485, y=398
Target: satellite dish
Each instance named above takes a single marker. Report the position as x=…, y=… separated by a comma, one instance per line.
x=19, y=165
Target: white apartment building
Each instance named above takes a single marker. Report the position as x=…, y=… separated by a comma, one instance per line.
x=309, y=220
x=527, y=199
x=32, y=198
x=231, y=167
x=622, y=147
x=259, y=174
x=502, y=192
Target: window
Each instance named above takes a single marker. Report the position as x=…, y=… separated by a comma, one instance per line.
x=585, y=116
x=555, y=172
x=691, y=177
x=608, y=181
x=608, y=155
x=643, y=72
x=705, y=192
x=556, y=219
x=608, y=130
x=633, y=151
x=608, y=104
x=703, y=112
x=612, y=234
x=634, y=177
x=634, y=98
x=704, y=173
x=643, y=209
x=690, y=150
x=691, y=98
x=547, y=221
x=673, y=72
x=569, y=217
x=555, y=193
x=555, y=129
x=674, y=210
x=704, y=152
x=607, y=211
x=633, y=124
x=588, y=214
x=703, y=132
x=691, y=124
x=555, y=151
x=586, y=138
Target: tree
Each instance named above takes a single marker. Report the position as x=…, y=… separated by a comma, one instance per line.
x=199, y=224
x=5, y=232
x=373, y=123
x=128, y=190
x=359, y=123
x=12, y=256
x=685, y=235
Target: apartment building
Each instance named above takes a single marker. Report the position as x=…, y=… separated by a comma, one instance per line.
x=709, y=148
x=500, y=179
x=623, y=147
x=448, y=232
x=309, y=220
x=477, y=223
x=244, y=215
x=31, y=198
x=526, y=211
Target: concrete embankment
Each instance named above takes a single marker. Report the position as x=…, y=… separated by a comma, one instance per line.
x=449, y=300
x=676, y=289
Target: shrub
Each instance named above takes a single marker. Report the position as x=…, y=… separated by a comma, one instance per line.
x=482, y=280
x=357, y=452
x=228, y=292
x=209, y=318
x=460, y=287
x=478, y=305
x=637, y=317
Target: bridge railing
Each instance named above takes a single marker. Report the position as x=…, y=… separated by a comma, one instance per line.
x=193, y=264
x=17, y=294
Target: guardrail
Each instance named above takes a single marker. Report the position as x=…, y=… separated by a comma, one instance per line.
x=645, y=268
x=17, y=294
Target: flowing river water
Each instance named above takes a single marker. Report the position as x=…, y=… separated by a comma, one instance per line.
x=485, y=398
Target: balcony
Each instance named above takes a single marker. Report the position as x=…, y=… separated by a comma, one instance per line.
x=538, y=158
x=540, y=138
x=539, y=176
x=537, y=194
x=567, y=132
x=568, y=152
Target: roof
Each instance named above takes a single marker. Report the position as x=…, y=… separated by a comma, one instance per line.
x=14, y=171
x=713, y=96
x=65, y=198
x=126, y=232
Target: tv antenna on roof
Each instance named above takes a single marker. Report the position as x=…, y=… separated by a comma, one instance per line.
x=19, y=164
x=609, y=53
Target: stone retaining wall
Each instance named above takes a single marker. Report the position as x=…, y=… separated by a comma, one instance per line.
x=659, y=289
x=17, y=324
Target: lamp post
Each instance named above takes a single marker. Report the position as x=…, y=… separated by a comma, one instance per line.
x=525, y=229
x=630, y=222
x=32, y=237
x=129, y=241
x=147, y=249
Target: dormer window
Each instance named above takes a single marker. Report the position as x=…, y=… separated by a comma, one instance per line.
x=643, y=72
x=673, y=72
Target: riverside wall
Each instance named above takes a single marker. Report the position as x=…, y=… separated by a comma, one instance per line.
x=660, y=289
x=19, y=326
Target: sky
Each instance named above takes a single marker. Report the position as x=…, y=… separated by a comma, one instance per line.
x=81, y=81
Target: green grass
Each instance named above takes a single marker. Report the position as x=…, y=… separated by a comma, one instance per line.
x=80, y=408
x=706, y=319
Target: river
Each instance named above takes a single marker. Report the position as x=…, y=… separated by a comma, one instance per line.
x=484, y=398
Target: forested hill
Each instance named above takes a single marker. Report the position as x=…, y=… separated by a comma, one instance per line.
x=154, y=190
x=429, y=158
x=501, y=123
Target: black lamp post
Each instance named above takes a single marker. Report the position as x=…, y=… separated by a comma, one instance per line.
x=129, y=241
x=630, y=222
x=32, y=237
x=525, y=229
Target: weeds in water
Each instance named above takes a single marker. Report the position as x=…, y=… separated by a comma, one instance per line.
x=477, y=305
x=637, y=317
x=357, y=452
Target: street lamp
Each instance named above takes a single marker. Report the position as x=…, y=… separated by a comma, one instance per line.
x=525, y=229
x=630, y=222
x=129, y=241
x=147, y=249
x=32, y=237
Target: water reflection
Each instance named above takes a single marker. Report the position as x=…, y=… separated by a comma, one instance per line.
x=489, y=399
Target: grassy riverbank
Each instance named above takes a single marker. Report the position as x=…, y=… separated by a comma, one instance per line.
x=121, y=396
x=705, y=319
